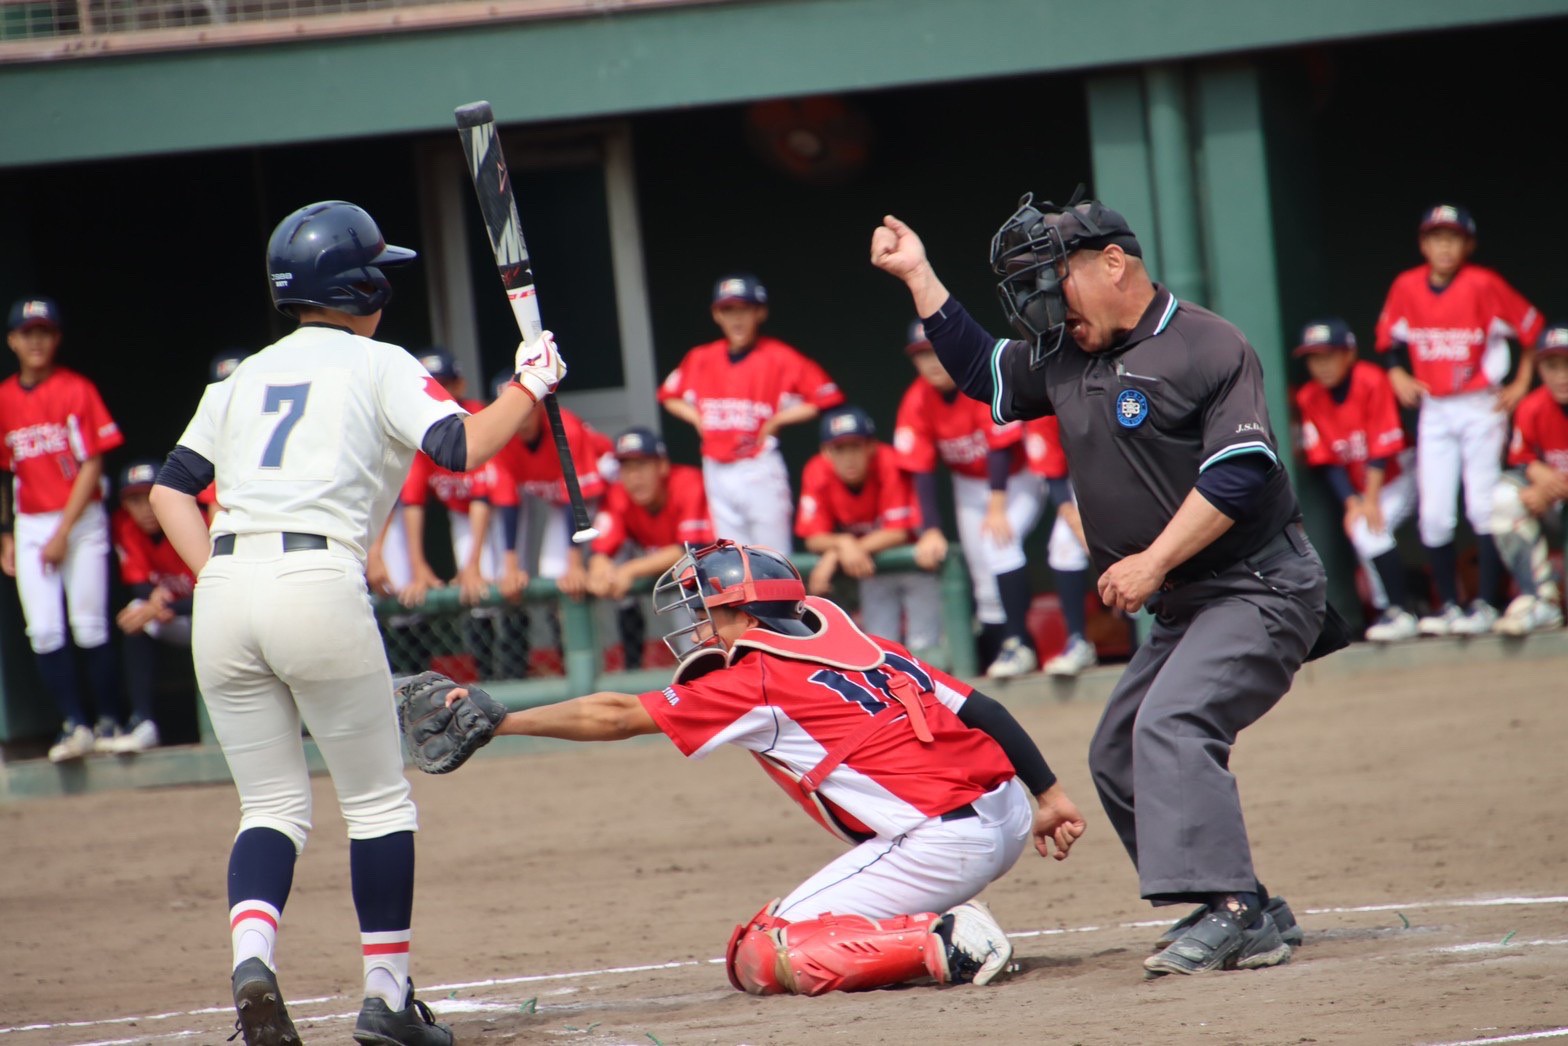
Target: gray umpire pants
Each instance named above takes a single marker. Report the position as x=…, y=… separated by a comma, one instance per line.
x=1222, y=652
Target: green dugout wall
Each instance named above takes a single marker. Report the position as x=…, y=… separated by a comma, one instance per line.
x=1273, y=185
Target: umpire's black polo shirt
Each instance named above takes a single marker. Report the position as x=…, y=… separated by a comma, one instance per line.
x=1140, y=420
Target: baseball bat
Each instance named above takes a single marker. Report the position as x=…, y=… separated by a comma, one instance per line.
x=493, y=184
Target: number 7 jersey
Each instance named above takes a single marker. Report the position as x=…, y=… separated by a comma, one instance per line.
x=314, y=434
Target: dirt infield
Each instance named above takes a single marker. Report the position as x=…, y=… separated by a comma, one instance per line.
x=594, y=885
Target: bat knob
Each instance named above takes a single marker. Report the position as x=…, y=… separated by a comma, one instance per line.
x=582, y=537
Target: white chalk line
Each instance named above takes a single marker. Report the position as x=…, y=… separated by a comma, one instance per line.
x=1476, y=902
x=1529, y=1036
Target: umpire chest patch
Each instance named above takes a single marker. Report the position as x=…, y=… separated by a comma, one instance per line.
x=1132, y=408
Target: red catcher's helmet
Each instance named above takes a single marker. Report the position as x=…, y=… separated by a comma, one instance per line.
x=760, y=581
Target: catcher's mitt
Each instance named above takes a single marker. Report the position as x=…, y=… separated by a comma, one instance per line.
x=440, y=738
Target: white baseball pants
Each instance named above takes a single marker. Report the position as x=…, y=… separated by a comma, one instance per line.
x=987, y=558
x=77, y=590
x=1458, y=436
x=750, y=500
x=903, y=607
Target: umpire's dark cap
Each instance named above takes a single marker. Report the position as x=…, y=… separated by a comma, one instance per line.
x=441, y=364
x=846, y=422
x=34, y=312
x=741, y=287
x=1092, y=226
x=639, y=442
x=1554, y=339
x=1326, y=335
x=1448, y=216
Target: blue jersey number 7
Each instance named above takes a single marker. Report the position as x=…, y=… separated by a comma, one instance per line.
x=277, y=397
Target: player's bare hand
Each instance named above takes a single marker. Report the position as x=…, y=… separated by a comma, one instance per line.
x=414, y=592
x=1354, y=510
x=1509, y=395
x=1372, y=511
x=895, y=249
x=854, y=560
x=1536, y=499
x=1057, y=823
x=997, y=526
x=471, y=585
x=135, y=616
x=820, y=581
x=54, y=551
x=511, y=583
x=377, y=579
x=8, y=555
x=1407, y=389
x=1129, y=583
x=573, y=581
x=930, y=549
x=601, y=575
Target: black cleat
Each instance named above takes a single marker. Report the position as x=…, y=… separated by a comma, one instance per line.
x=1218, y=941
x=262, y=1017
x=413, y=1025
x=1277, y=907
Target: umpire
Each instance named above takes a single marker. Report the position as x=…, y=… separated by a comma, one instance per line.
x=1186, y=510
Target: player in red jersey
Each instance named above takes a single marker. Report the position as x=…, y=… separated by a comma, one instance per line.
x=54, y=430
x=855, y=501
x=1066, y=552
x=1445, y=330
x=649, y=516
x=466, y=498
x=935, y=784
x=996, y=498
x=1535, y=492
x=1350, y=432
x=738, y=392
x=160, y=608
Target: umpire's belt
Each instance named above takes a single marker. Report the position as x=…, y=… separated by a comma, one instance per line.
x=223, y=544
x=1294, y=536
x=959, y=813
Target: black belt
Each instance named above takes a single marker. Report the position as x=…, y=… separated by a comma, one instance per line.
x=223, y=544
x=958, y=814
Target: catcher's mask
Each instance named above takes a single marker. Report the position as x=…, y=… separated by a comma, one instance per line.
x=1030, y=253
x=760, y=581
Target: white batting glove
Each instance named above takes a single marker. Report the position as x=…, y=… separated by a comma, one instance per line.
x=540, y=367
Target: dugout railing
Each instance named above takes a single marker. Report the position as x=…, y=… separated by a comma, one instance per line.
x=549, y=647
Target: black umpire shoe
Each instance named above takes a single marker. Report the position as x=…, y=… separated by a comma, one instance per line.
x=413, y=1025
x=1278, y=908
x=1219, y=941
x=263, y=1019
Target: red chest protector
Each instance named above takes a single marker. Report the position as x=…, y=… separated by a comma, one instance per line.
x=838, y=643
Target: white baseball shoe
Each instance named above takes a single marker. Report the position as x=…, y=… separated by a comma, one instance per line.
x=1395, y=625
x=76, y=741
x=1078, y=655
x=1014, y=659
x=976, y=948
x=1442, y=622
x=1528, y=614
x=139, y=738
x=1477, y=621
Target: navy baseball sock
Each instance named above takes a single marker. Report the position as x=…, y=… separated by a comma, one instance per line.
x=1490, y=569
x=1016, y=593
x=381, y=873
x=1072, y=588
x=58, y=669
x=103, y=677
x=1391, y=572
x=261, y=873
x=1445, y=571
x=141, y=657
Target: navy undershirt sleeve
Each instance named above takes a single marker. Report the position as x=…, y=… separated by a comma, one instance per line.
x=1233, y=485
x=509, y=528
x=925, y=495
x=446, y=443
x=964, y=348
x=987, y=715
x=998, y=466
x=1398, y=355
x=1061, y=491
x=1339, y=481
x=186, y=471
x=1378, y=463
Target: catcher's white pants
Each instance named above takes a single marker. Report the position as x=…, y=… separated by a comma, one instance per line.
x=283, y=636
x=1456, y=436
x=904, y=607
x=78, y=588
x=987, y=558
x=750, y=500
x=930, y=869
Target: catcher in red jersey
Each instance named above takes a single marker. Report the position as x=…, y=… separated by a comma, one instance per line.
x=738, y=392
x=1444, y=329
x=1534, y=492
x=54, y=431
x=936, y=785
x=855, y=501
x=1350, y=432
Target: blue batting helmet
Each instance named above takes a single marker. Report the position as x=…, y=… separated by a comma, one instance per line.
x=331, y=254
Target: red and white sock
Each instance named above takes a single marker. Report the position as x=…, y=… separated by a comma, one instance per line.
x=253, y=928
x=386, y=966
